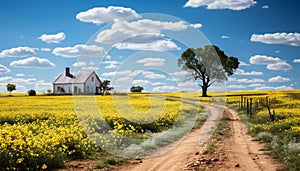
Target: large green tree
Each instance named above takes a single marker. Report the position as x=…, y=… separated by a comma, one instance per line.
x=10, y=88
x=209, y=65
x=136, y=89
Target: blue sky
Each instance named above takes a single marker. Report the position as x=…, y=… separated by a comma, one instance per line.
x=138, y=42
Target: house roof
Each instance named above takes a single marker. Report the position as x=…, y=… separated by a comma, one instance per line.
x=75, y=77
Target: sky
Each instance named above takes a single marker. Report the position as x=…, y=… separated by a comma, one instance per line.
x=138, y=42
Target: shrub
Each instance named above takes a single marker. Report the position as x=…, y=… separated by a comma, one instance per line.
x=31, y=92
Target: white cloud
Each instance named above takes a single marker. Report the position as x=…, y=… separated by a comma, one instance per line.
x=255, y=80
x=280, y=66
x=242, y=72
x=264, y=60
x=196, y=26
x=165, y=89
x=111, y=64
x=292, y=39
x=42, y=86
x=45, y=49
x=272, y=63
x=21, y=51
x=278, y=79
x=265, y=7
x=243, y=64
x=158, y=83
x=3, y=69
x=90, y=68
x=181, y=73
x=99, y=15
x=221, y=4
x=225, y=37
x=236, y=86
x=20, y=75
x=152, y=75
x=80, y=50
x=79, y=64
x=17, y=80
x=296, y=61
x=275, y=88
x=141, y=82
x=152, y=61
x=159, y=45
x=33, y=62
x=53, y=38
x=144, y=34
x=257, y=85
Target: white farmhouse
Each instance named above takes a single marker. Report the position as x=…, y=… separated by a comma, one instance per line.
x=77, y=83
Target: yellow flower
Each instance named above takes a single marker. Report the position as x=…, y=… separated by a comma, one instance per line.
x=44, y=166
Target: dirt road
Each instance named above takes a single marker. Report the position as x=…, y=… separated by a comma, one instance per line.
x=238, y=152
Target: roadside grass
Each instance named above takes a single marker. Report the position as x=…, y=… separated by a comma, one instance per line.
x=283, y=134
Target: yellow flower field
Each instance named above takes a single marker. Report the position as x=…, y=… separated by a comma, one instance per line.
x=42, y=132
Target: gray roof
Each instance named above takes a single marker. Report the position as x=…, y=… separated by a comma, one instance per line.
x=75, y=77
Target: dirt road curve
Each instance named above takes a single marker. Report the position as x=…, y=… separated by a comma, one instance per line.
x=238, y=152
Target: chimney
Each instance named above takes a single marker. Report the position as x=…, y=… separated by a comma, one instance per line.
x=67, y=71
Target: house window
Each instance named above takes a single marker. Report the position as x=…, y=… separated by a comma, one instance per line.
x=93, y=79
x=87, y=89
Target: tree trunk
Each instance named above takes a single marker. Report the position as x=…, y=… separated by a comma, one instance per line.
x=204, y=91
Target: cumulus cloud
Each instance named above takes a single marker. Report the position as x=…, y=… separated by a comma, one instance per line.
x=257, y=85
x=278, y=79
x=292, y=39
x=265, y=7
x=255, y=80
x=225, y=37
x=236, y=86
x=141, y=82
x=280, y=66
x=144, y=34
x=42, y=86
x=53, y=38
x=152, y=61
x=80, y=50
x=243, y=63
x=198, y=25
x=21, y=51
x=221, y=4
x=111, y=64
x=296, y=61
x=3, y=69
x=20, y=75
x=275, y=88
x=33, y=62
x=242, y=72
x=17, y=80
x=152, y=75
x=99, y=15
x=272, y=63
x=165, y=89
x=79, y=64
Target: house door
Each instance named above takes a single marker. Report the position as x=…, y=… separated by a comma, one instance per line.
x=75, y=89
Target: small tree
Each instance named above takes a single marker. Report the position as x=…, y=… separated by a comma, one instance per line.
x=104, y=87
x=10, y=88
x=136, y=89
x=31, y=92
x=49, y=91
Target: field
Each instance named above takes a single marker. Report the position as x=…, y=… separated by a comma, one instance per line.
x=44, y=132
x=283, y=133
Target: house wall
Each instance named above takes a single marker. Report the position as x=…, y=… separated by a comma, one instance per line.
x=70, y=88
x=91, y=84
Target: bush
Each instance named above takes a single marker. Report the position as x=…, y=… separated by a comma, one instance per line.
x=31, y=93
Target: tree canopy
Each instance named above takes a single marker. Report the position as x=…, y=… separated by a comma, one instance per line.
x=10, y=88
x=136, y=89
x=104, y=87
x=209, y=64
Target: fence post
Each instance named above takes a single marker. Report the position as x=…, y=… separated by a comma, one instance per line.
x=247, y=106
x=242, y=102
x=245, y=103
x=251, y=107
